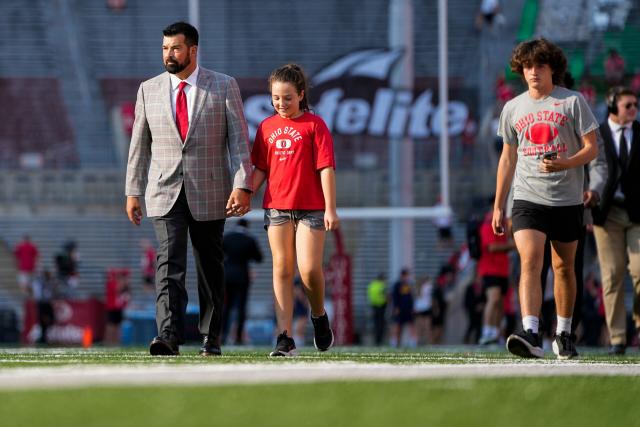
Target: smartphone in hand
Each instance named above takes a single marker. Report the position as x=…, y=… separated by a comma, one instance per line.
x=551, y=155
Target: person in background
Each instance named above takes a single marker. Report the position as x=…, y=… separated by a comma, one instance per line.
x=422, y=307
x=26, y=254
x=116, y=299
x=44, y=291
x=148, y=266
x=66, y=262
x=240, y=247
x=474, y=306
x=493, y=269
x=445, y=279
x=614, y=67
x=402, y=309
x=300, y=311
x=377, y=295
x=616, y=216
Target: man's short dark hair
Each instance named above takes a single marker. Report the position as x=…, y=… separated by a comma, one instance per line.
x=538, y=52
x=189, y=31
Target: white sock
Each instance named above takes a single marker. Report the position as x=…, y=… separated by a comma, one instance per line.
x=494, y=332
x=564, y=325
x=486, y=331
x=530, y=322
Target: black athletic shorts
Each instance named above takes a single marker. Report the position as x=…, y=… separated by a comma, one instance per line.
x=496, y=281
x=561, y=223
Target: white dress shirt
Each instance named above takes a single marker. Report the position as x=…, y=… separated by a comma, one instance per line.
x=615, y=134
x=191, y=82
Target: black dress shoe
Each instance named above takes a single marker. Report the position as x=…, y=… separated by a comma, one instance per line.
x=161, y=346
x=617, y=349
x=210, y=347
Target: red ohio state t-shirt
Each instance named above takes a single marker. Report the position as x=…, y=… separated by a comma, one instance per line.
x=292, y=152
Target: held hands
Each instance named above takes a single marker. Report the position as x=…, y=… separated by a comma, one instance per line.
x=239, y=203
x=331, y=220
x=134, y=210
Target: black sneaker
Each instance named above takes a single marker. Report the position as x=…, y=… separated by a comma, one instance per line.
x=617, y=350
x=564, y=347
x=285, y=346
x=525, y=344
x=322, y=333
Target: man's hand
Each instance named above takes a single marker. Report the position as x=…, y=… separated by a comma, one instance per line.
x=590, y=199
x=134, y=210
x=239, y=202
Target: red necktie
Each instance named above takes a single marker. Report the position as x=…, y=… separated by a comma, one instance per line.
x=182, y=114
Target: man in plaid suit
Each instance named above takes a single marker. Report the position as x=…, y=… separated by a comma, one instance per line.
x=189, y=157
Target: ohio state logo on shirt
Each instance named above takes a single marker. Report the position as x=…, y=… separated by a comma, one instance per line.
x=541, y=129
x=283, y=145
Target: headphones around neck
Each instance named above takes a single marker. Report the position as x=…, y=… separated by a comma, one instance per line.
x=612, y=99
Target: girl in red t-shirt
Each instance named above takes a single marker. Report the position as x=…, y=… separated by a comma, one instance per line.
x=293, y=152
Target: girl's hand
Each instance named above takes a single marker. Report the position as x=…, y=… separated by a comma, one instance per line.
x=331, y=220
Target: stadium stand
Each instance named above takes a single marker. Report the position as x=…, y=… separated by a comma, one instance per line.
x=111, y=242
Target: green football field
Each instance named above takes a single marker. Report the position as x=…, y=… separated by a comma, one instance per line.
x=599, y=394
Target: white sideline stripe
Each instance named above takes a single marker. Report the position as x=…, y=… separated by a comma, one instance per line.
x=228, y=374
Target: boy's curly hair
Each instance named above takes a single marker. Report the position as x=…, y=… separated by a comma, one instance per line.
x=539, y=51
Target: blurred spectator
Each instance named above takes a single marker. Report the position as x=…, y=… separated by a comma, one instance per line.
x=616, y=217
x=493, y=269
x=474, y=306
x=402, y=305
x=504, y=91
x=468, y=140
x=593, y=312
x=377, y=297
x=422, y=307
x=117, y=298
x=445, y=279
x=44, y=289
x=614, y=65
x=66, y=262
x=509, y=311
x=443, y=224
x=148, y=266
x=117, y=5
x=27, y=254
x=588, y=91
x=635, y=82
x=240, y=247
x=489, y=13
x=300, y=311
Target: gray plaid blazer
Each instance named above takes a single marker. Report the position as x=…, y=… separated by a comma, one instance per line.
x=213, y=159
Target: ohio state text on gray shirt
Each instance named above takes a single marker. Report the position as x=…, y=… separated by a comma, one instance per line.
x=554, y=123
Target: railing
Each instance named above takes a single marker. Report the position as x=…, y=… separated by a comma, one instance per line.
x=87, y=190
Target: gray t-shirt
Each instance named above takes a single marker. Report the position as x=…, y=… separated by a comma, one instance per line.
x=554, y=123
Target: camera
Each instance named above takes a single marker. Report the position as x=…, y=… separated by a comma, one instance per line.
x=551, y=155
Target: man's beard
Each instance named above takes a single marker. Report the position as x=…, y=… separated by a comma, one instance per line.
x=175, y=67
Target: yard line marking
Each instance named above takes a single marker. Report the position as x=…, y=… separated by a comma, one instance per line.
x=71, y=376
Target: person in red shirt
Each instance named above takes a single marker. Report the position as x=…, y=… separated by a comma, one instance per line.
x=26, y=254
x=493, y=269
x=293, y=153
x=116, y=299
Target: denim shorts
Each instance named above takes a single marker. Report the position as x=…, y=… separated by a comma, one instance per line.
x=312, y=219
